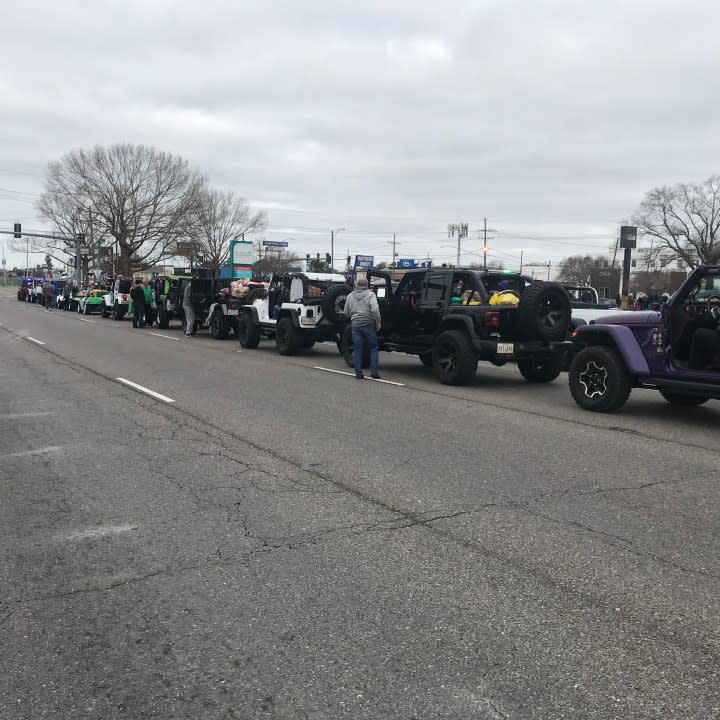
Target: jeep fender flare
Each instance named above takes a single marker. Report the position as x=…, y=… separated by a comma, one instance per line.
x=292, y=315
x=250, y=310
x=619, y=337
x=457, y=322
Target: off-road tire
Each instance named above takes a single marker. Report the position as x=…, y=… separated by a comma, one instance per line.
x=255, y=294
x=347, y=348
x=248, y=333
x=599, y=380
x=454, y=360
x=163, y=319
x=87, y=310
x=219, y=329
x=287, y=337
x=676, y=397
x=543, y=313
x=117, y=313
x=541, y=371
x=105, y=312
x=333, y=303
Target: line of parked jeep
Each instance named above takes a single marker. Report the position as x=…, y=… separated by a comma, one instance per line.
x=451, y=319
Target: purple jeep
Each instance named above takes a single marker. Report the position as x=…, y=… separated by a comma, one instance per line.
x=675, y=351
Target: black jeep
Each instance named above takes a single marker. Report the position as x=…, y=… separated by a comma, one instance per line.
x=450, y=319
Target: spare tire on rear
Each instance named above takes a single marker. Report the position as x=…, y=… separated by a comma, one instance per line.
x=543, y=313
x=333, y=303
x=255, y=294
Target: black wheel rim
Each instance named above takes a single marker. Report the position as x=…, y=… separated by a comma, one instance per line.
x=447, y=358
x=593, y=380
x=552, y=313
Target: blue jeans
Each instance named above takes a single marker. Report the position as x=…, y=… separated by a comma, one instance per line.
x=361, y=335
x=138, y=315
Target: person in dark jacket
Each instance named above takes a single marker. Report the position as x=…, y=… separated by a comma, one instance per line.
x=137, y=295
x=362, y=308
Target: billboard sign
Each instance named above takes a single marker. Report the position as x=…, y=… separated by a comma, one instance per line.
x=241, y=258
x=364, y=261
x=406, y=263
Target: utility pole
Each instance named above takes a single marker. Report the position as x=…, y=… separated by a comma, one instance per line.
x=394, y=255
x=461, y=230
x=92, y=239
x=549, y=264
x=332, y=246
x=521, y=259
x=485, y=247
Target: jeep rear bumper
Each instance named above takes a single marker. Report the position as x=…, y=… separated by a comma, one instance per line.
x=494, y=349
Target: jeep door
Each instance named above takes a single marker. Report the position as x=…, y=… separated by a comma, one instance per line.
x=401, y=315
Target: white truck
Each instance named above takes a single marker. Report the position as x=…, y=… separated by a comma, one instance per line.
x=298, y=310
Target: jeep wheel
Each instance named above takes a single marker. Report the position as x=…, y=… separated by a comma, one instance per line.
x=87, y=309
x=105, y=312
x=117, y=315
x=426, y=359
x=543, y=313
x=248, y=333
x=598, y=379
x=681, y=398
x=219, y=329
x=348, y=348
x=333, y=303
x=541, y=371
x=287, y=337
x=163, y=318
x=453, y=358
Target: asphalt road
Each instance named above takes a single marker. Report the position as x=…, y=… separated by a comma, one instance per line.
x=283, y=541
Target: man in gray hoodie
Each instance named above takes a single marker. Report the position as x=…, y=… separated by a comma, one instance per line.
x=362, y=308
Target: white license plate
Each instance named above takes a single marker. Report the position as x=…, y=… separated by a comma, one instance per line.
x=232, y=312
x=307, y=321
x=505, y=348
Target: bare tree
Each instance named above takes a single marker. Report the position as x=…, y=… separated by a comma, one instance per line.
x=144, y=199
x=578, y=269
x=685, y=220
x=223, y=217
x=277, y=261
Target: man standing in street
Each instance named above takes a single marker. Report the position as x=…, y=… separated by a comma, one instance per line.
x=362, y=308
x=49, y=293
x=188, y=309
x=137, y=295
x=148, y=302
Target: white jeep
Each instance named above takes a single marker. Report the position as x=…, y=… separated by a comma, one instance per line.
x=298, y=310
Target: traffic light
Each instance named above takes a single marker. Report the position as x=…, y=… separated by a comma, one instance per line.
x=328, y=259
x=80, y=237
x=307, y=257
x=17, y=230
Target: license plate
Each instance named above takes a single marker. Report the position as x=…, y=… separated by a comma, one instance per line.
x=307, y=321
x=232, y=312
x=505, y=348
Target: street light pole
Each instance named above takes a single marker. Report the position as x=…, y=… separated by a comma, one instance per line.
x=332, y=246
x=461, y=230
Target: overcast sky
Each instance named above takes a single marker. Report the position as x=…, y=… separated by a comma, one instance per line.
x=551, y=119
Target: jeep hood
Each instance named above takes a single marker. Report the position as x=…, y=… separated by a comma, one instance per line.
x=647, y=317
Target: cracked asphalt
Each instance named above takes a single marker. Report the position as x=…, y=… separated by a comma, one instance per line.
x=283, y=542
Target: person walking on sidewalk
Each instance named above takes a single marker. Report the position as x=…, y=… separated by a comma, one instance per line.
x=137, y=295
x=362, y=308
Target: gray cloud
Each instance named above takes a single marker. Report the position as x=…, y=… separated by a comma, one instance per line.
x=549, y=118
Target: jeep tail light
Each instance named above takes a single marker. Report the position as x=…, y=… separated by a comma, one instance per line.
x=492, y=319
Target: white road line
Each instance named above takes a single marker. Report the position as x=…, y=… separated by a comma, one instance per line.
x=32, y=339
x=92, y=321
x=39, y=451
x=152, y=393
x=167, y=337
x=352, y=375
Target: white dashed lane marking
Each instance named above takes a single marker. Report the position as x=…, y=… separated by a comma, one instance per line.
x=143, y=389
x=352, y=375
